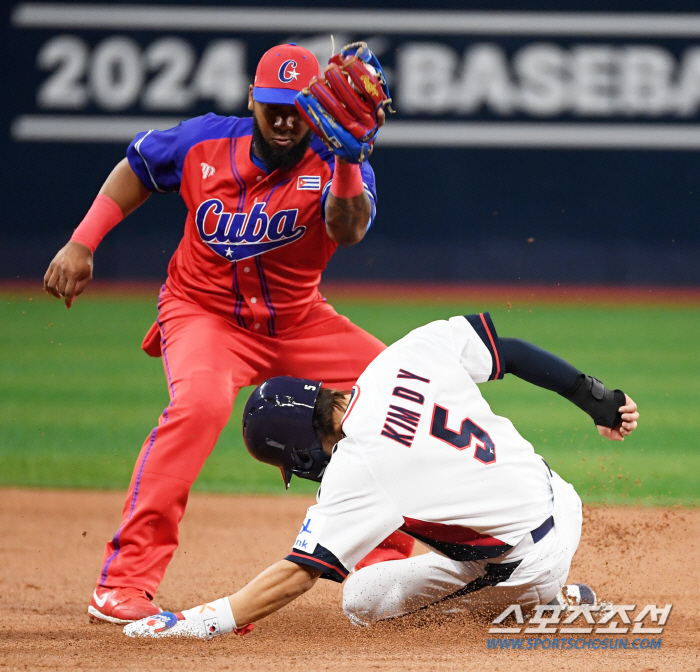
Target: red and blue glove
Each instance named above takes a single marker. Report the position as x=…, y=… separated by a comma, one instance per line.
x=342, y=107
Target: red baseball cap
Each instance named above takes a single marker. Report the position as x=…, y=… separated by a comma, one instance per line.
x=282, y=72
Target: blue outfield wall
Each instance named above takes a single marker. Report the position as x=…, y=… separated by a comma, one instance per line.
x=547, y=142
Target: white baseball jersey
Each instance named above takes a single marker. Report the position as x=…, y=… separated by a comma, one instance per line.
x=423, y=452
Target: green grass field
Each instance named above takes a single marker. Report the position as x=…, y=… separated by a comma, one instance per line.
x=78, y=397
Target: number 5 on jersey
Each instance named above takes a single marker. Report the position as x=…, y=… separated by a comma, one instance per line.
x=469, y=435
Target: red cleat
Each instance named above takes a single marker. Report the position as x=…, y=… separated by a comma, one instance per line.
x=120, y=605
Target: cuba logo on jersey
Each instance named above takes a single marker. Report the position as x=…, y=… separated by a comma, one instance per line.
x=287, y=73
x=241, y=235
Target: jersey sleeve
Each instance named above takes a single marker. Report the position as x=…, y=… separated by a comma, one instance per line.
x=158, y=157
x=478, y=346
x=370, y=189
x=352, y=516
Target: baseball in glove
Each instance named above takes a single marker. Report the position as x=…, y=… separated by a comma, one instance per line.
x=341, y=108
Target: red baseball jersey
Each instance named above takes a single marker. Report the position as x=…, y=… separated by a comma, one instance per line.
x=255, y=242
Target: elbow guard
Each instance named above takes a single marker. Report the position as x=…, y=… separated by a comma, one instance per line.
x=602, y=404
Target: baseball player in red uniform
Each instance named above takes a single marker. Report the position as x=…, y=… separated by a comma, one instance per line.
x=268, y=204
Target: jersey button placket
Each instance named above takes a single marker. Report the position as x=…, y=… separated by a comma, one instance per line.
x=259, y=310
x=258, y=307
x=251, y=292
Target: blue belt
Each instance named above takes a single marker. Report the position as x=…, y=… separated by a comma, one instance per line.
x=543, y=530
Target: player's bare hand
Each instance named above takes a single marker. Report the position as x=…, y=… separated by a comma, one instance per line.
x=381, y=117
x=630, y=415
x=69, y=272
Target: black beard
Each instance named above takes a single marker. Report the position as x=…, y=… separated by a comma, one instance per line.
x=278, y=158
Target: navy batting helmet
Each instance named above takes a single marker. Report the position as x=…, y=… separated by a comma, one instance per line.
x=278, y=427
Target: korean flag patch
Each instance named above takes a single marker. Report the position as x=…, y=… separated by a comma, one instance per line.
x=310, y=532
x=211, y=626
x=309, y=183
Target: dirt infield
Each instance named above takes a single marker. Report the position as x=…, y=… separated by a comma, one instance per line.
x=51, y=546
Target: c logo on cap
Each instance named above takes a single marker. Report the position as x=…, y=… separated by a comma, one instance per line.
x=287, y=73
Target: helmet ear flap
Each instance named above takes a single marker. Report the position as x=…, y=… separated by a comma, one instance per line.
x=303, y=459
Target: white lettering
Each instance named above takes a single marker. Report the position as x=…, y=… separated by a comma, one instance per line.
x=658, y=615
x=173, y=59
x=688, y=92
x=646, y=78
x=485, y=81
x=116, y=75
x=542, y=621
x=542, y=72
x=515, y=610
x=594, y=80
x=426, y=73
x=221, y=74
x=547, y=80
x=65, y=88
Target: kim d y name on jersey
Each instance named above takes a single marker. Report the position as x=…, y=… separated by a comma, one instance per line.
x=406, y=419
x=470, y=435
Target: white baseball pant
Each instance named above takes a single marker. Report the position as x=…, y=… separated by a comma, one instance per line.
x=399, y=587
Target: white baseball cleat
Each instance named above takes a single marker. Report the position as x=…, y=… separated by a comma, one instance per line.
x=166, y=624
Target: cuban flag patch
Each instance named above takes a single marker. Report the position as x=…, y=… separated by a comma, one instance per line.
x=309, y=183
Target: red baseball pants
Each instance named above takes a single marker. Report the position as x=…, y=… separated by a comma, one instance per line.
x=207, y=360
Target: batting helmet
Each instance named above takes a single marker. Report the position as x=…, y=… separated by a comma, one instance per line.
x=278, y=429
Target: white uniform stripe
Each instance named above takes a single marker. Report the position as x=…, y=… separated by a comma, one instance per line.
x=245, y=19
x=137, y=147
x=536, y=135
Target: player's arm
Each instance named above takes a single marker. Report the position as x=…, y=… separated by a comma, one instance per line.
x=345, y=109
x=352, y=516
x=268, y=592
x=71, y=269
x=348, y=207
x=613, y=412
x=124, y=186
x=154, y=162
x=348, y=210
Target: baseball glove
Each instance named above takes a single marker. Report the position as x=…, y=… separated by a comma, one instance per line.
x=341, y=108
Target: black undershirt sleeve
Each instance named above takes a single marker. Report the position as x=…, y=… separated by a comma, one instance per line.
x=542, y=368
x=537, y=366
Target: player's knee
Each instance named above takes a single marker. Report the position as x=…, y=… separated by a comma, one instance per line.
x=358, y=604
x=367, y=598
x=206, y=398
